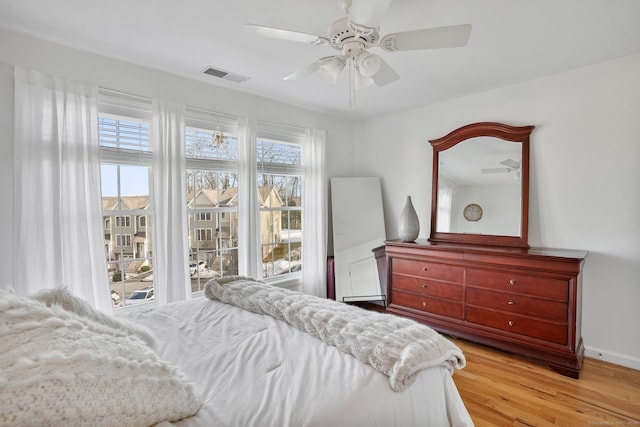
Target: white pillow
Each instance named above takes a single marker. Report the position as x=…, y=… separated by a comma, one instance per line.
x=59, y=368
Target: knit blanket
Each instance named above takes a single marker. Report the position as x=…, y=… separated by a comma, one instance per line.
x=397, y=347
x=69, y=368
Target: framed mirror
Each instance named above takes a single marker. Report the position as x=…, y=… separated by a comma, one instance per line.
x=480, y=191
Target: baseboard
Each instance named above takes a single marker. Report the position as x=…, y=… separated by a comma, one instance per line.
x=611, y=357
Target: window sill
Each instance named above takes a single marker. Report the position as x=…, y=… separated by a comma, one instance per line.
x=291, y=281
x=141, y=306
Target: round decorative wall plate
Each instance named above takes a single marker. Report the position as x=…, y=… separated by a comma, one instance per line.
x=472, y=212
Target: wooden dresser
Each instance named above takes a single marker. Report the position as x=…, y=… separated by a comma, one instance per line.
x=522, y=300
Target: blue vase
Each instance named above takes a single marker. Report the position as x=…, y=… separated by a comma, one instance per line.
x=408, y=226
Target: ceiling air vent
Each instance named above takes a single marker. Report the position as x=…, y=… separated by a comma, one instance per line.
x=225, y=75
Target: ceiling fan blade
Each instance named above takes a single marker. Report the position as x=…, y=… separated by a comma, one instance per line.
x=279, y=33
x=385, y=75
x=428, y=38
x=304, y=72
x=331, y=67
x=510, y=163
x=368, y=12
x=495, y=170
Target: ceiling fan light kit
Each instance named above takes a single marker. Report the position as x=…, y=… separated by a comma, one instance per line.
x=368, y=63
x=354, y=34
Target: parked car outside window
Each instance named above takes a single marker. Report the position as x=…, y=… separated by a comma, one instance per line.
x=140, y=296
x=200, y=266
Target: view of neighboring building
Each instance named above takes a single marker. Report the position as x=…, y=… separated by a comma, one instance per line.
x=130, y=236
x=127, y=236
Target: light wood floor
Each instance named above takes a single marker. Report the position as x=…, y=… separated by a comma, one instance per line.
x=500, y=389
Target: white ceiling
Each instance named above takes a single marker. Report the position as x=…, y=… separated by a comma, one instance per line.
x=511, y=41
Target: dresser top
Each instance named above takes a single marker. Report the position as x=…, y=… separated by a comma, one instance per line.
x=488, y=249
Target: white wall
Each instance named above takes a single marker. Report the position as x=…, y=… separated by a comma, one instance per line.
x=26, y=51
x=585, y=179
x=501, y=206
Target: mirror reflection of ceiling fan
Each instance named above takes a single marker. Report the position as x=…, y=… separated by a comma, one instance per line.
x=510, y=166
x=354, y=34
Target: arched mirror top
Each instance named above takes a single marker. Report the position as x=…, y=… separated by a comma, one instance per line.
x=480, y=191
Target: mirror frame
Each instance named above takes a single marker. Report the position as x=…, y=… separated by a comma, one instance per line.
x=518, y=134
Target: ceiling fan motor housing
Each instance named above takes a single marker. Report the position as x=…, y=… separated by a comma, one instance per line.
x=342, y=31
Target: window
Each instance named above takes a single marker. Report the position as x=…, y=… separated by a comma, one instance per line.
x=123, y=240
x=123, y=221
x=203, y=234
x=212, y=159
x=212, y=203
x=280, y=199
x=125, y=172
x=120, y=133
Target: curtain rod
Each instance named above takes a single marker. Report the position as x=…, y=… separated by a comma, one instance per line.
x=280, y=125
x=215, y=113
x=107, y=91
x=201, y=110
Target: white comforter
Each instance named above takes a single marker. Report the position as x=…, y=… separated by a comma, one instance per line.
x=395, y=346
x=253, y=370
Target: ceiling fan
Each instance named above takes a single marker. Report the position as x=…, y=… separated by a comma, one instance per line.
x=354, y=34
x=510, y=166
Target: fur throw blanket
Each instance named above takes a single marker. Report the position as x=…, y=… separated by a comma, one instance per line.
x=72, y=304
x=67, y=365
x=395, y=346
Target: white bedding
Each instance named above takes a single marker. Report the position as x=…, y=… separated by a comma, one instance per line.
x=395, y=346
x=253, y=370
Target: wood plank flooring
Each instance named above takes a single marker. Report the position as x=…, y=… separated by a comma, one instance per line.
x=500, y=389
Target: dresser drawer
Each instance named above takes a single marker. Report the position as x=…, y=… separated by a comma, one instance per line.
x=426, y=304
x=428, y=288
x=531, y=327
x=432, y=270
x=517, y=304
x=556, y=289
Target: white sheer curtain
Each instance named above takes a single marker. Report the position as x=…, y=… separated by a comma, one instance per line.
x=249, y=259
x=445, y=198
x=170, y=234
x=314, y=202
x=58, y=239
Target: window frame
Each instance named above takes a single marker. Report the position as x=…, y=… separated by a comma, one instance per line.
x=293, y=136
x=115, y=105
x=127, y=108
x=200, y=122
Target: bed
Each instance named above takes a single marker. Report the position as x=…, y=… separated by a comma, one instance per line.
x=256, y=355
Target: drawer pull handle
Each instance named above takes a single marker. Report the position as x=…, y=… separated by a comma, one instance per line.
x=424, y=304
x=511, y=302
x=511, y=323
x=425, y=286
x=512, y=282
x=425, y=268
